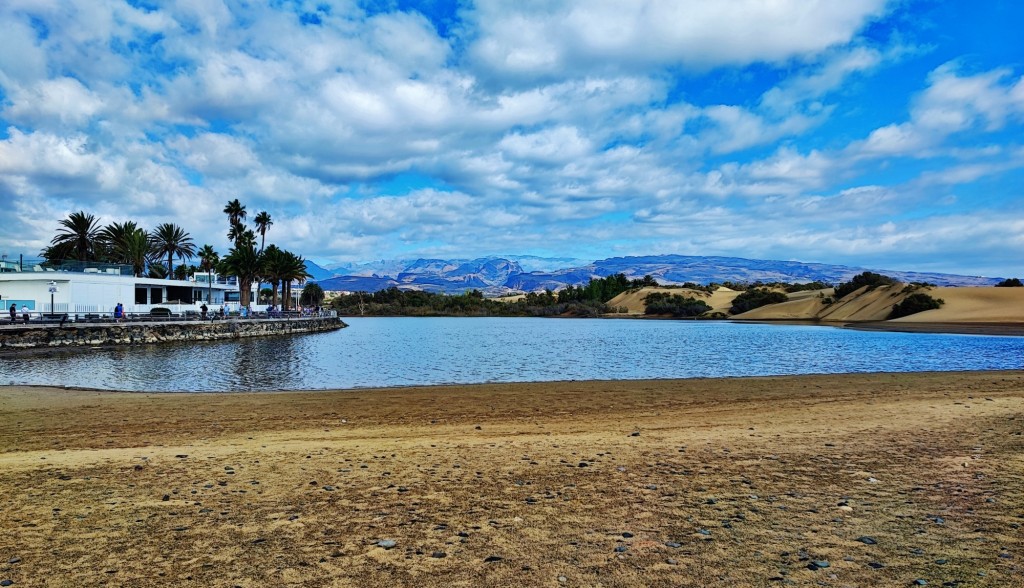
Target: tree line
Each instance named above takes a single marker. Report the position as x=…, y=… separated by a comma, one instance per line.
x=80, y=237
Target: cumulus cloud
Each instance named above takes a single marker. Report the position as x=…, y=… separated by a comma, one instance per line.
x=538, y=127
x=532, y=40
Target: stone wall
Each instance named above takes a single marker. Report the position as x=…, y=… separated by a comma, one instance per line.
x=77, y=334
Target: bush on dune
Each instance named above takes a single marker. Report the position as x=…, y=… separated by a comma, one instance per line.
x=869, y=279
x=674, y=304
x=915, y=303
x=756, y=298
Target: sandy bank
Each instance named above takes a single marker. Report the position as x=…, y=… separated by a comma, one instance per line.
x=650, y=483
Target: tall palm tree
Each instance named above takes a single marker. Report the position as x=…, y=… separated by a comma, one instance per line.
x=77, y=238
x=171, y=240
x=235, y=211
x=208, y=259
x=236, y=214
x=262, y=222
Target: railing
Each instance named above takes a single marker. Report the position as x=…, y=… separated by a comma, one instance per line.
x=80, y=267
x=37, y=317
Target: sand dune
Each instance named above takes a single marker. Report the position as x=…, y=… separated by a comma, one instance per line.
x=974, y=305
x=962, y=306
x=720, y=300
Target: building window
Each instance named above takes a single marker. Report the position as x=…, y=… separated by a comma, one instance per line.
x=156, y=295
x=140, y=296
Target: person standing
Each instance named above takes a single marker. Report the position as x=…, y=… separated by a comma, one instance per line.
x=14, y=313
x=24, y=313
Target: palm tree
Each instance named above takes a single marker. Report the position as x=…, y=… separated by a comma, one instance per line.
x=235, y=211
x=171, y=240
x=236, y=214
x=263, y=223
x=77, y=239
x=312, y=294
x=134, y=248
x=113, y=240
x=243, y=262
x=208, y=259
x=271, y=269
x=294, y=269
x=157, y=270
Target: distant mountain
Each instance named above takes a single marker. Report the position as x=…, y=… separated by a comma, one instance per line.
x=532, y=263
x=500, y=275
x=677, y=269
x=318, y=273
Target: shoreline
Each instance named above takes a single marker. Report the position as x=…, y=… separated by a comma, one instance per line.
x=947, y=328
x=992, y=329
x=704, y=481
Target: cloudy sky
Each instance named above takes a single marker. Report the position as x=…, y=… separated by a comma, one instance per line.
x=879, y=133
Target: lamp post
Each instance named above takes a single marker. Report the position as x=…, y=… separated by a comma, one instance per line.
x=53, y=290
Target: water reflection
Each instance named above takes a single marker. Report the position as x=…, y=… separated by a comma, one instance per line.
x=406, y=351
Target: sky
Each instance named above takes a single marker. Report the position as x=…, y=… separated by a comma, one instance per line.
x=882, y=134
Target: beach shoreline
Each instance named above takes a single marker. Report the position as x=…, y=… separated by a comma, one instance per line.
x=743, y=481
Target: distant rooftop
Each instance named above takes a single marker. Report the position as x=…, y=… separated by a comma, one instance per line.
x=25, y=265
x=78, y=267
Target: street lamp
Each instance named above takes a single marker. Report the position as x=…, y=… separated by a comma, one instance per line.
x=53, y=290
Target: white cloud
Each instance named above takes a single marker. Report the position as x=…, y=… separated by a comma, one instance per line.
x=537, y=39
x=64, y=99
x=951, y=104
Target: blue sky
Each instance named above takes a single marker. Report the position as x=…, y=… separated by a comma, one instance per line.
x=878, y=133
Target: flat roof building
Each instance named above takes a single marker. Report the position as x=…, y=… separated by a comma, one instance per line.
x=90, y=287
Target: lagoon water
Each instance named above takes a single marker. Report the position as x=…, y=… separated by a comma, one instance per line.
x=376, y=352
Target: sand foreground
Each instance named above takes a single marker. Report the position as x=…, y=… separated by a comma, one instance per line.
x=853, y=480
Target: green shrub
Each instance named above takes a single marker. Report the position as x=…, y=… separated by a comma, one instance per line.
x=869, y=279
x=1010, y=283
x=674, y=304
x=816, y=285
x=915, y=303
x=756, y=298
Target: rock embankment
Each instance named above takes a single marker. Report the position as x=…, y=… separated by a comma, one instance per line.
x=71, y=335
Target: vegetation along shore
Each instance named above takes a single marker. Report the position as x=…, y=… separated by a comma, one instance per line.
x=868, y=300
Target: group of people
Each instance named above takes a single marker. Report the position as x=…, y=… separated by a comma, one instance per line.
x=14, y=313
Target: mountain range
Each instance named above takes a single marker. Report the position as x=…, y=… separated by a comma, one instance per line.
x=502, y=275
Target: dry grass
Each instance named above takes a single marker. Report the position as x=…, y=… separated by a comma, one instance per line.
x=752, y=478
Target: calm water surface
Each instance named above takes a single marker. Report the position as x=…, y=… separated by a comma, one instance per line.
x=413, y=351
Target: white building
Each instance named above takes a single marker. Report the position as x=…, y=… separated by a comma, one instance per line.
x=87, y=287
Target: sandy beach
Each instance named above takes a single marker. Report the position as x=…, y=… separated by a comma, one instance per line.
x=853, y=480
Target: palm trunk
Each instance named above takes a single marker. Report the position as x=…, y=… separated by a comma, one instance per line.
x=209, y=286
